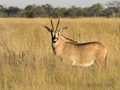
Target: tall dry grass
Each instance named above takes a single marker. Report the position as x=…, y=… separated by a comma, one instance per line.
x=28, y=63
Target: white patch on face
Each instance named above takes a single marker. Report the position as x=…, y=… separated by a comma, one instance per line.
x=55, y=40
x=82, y=65
x=57, y=35
x=53, y=34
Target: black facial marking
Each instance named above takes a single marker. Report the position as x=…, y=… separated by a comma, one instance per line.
x=54, y=37
x=54, y=40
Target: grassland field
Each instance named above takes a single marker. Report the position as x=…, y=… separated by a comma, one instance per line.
x=27, y=61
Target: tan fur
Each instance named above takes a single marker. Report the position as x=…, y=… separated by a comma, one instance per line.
x=83, y=53
x=68, y=40
x=79, y=54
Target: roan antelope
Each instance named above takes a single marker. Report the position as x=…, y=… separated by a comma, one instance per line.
x=79, y=54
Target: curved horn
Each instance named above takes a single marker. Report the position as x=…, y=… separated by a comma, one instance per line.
x=52, y=25
x=57, y=24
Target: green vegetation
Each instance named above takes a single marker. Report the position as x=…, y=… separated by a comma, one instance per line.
x=32, y=11
x=28, y=63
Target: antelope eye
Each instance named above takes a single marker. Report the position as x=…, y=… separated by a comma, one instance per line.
x=57, y=35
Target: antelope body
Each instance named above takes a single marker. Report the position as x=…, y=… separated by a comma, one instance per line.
x=79, y=54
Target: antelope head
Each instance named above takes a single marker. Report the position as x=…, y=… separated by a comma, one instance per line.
x=79, y=54
x=55, y=33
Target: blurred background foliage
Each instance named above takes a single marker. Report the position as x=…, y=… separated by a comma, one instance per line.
x=111, y=9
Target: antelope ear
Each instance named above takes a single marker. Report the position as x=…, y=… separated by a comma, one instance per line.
x=48, y=29
x=62, y=29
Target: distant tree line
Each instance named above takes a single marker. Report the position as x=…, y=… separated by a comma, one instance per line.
x=32, y=11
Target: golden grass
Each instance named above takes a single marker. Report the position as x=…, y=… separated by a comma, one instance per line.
x=28, y=63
